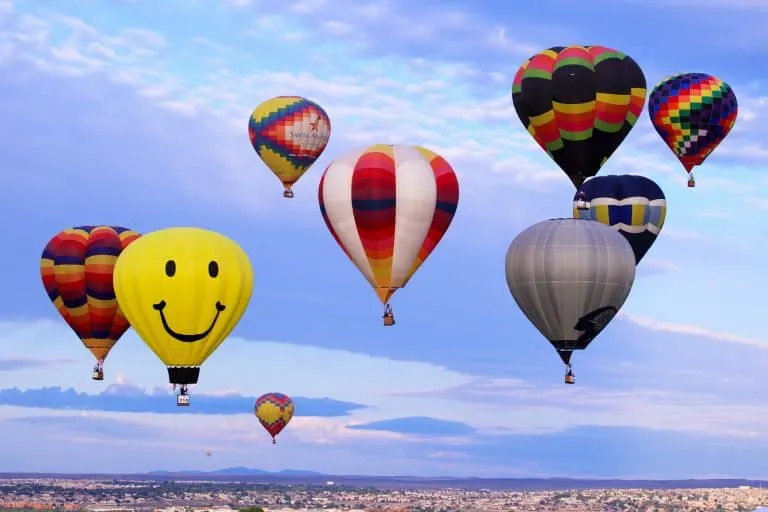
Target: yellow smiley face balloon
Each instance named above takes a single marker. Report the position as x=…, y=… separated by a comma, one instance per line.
x=183, y=290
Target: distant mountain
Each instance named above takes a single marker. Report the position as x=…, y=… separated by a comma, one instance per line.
x=236, y=471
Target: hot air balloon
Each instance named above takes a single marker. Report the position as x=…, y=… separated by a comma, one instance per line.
x=76, y=268
x=579, y=103
x=634, y=205
x=388, y=207
x=692, y=112
x=184, y=290
x=289, y=133
x=274, y=411
x=570, y=277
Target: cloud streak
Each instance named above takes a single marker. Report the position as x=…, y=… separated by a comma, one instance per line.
x=103, y=428
x=16, y=364
x=418, y=425
x=127, y=398
x=693, y=330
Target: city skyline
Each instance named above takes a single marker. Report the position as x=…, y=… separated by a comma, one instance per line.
x=136, y=115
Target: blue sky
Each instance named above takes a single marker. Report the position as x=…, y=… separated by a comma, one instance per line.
x=135, y=113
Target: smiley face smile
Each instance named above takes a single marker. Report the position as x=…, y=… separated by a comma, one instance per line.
x=187, y=338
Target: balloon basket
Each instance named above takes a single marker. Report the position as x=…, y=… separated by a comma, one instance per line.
x=389, y=320
x=97, y=375
x=288, y=194
x=182, y=400
x=691, y=183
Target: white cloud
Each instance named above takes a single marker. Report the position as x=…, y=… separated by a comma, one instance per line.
x=308, y=6
x=703, y=5
x=653, y=266
x=338, y=27
x=305, y=370
x=420, y=389
x=693, y=330
x=500, y=39
x=750, y=150
x=381, y=100
x=686, y=235
x=504, y=406
x=373, y=100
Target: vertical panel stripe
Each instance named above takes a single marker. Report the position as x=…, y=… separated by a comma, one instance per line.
x=336, y=198
x=416, y=200
x=374, y=194
x=447, y=185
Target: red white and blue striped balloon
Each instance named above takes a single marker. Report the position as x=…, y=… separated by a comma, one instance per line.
x=388, y=206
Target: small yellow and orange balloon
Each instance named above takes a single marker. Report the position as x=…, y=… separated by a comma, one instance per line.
x=289, y=133
x=76, y=268
x=183, y=289
x=274, y=411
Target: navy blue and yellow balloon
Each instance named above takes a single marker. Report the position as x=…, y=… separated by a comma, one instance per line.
x=289, y=133
x=634, y=205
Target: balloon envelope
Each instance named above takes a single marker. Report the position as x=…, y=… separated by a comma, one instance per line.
x=570, y=277
x=579, y=103
x=76, y=268
x=633, y=205
x=184, y=290
x=274, y=411
x=692, y=112
x=289, y=133
x=388, y=207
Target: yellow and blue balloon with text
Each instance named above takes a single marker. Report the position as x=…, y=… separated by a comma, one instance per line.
x=289, y=133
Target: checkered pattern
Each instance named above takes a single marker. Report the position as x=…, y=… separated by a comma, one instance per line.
x=692, y=112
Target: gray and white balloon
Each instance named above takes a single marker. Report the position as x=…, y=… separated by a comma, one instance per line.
x=570, y=277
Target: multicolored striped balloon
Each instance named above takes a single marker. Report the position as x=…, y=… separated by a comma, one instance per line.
x=388, y=207
x=289, y=133
x=274, y=411
x=76, y=267
x=579, y=103
x=693, y=113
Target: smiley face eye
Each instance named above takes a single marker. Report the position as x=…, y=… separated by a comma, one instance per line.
x=213, y=269
x=170, y=268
